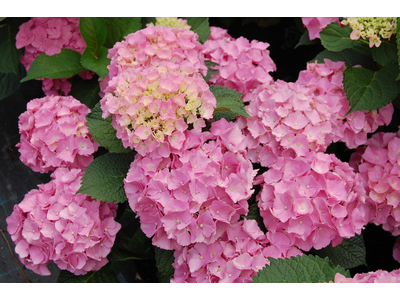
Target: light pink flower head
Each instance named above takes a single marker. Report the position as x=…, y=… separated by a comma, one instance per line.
x=315, y=25
x=54, y=134
x=242, y=65
x=54, y=223
x=50, y=36
x=312, y=201
x=241, y=251
x=152, y=106
x=190, y=196
x=380, y=276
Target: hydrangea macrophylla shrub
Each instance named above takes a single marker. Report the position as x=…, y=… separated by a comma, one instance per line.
x=242, y=65
x=154, y=44
x=49, y=36
x=241, y=251
x=54, y=134
x=312, y=201
x=172, y=22
x=152, y=106
x=295, y=118
x=372, y=28
x=54, y=223
x=379, y=166
x=327, y=79
x=192, y=195
x=380, y=276
x=315, y=25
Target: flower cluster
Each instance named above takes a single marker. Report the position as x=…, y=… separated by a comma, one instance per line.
x=379, y=166
x=240, y=252
x=155, y=44
x=172, y=22
x=151, y=106
x=242, y=65
x=315, y=25
x=327, y=79
x=191, y=196
x=49, y=36
x=54, y=223
x=312, y=201
x=372, y=28
x=379, y=276
x=54, y=134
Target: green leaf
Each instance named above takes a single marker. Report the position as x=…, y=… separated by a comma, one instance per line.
x=348, y=254
x=103, y=132
x=385, y=54
x=228, y=100
x=104, y=275
x=9, y=58
x=299, y=269
x=93, y=30
x=210, y=71
x=10, y=82
x=62, y=65
x=201, y=26
x=368, y=90
x=86, y=91
x=96, y=64
x=335, y=38
x=349, y=56
x=2, y=18
x=305, y=40
x=119, y=27
x=398, y=45
x=104, y=177
x=164, y=261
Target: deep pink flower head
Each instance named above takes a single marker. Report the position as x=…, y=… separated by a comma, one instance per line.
x=312, y=201
x=379, y=166
x=54, y=223
x=380, y=276
x=54, y=134
x=152, y=106
x=154, y=44
x=315, y=25
x=241, y=251
x=49, y=36
x=242, y=65
x=190, y=196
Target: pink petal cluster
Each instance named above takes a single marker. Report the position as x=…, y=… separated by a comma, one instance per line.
x=242, y=65
x=315, y=25
x=49, y=36
x=152, y=106
x=54, y=223
x=379, y=166
x=380, y=276
x=327, y=79
x=54, y=134
x=240, y=252
x=155, y=44
x=312, y=201
x=191, y=196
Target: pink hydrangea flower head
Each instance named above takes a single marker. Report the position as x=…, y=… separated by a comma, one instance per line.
x=190, y=196
x=50, y=36
x=54, y=134
x=154, y=44
x=378, y=165
x=54, y=223
x=170, y=21
x=315, y=25
x=380, y=276
x=242, y=65
x=152, y=106
x=312, y=201
x=241, y=251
